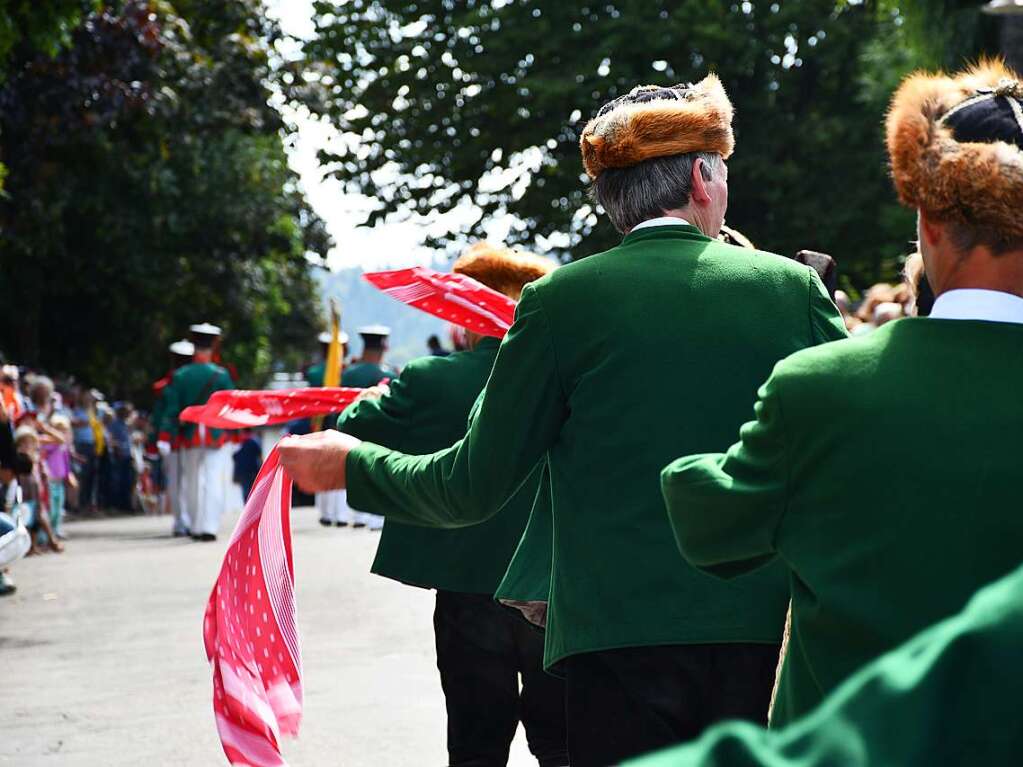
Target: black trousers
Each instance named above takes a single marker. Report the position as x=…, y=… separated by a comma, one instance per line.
x=483, y=649
x=623, y=703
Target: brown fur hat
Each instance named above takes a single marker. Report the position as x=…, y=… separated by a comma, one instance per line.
x=501, y=268
x=979, y=183
x=659, y=122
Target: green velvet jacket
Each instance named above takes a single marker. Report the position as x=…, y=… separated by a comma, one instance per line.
x=884, y=472
x=615, y=365
x=950, y=696
x=427, y=409
x=528, y=578
x=191, y=384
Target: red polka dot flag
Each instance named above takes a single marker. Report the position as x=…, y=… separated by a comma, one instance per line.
x=238, y=408
x=455, y=298
x=250, y=629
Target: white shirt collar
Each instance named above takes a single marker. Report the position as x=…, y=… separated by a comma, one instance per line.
x=977, y=304
x=660, y=221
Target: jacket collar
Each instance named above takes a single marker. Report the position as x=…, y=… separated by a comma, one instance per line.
x=669, y=232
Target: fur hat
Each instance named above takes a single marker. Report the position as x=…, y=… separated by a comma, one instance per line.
x=503, y=269
x=659, y=122
x=956, y=146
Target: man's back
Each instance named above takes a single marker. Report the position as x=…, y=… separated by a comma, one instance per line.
x=191, y=384
x=366, y=374
x=885, y=540
x=660, y=345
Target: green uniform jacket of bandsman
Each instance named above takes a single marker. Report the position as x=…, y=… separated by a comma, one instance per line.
x=191, y=384
x=314, y=375
x=366, y=374
x=615, y=365
x=427, y=408
x=885, y=471
x=949, y=696
x=159, y=404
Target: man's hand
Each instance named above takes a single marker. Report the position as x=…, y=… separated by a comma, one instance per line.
x=373, y=392
x=316, y=462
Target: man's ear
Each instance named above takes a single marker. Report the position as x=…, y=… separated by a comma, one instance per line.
x=931, y=231
x=700, y=194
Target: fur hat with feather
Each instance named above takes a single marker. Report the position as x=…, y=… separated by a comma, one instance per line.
x=659, y=122
x=503, y=269
x=956, y=146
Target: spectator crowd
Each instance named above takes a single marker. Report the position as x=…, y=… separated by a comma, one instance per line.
x=65, y=449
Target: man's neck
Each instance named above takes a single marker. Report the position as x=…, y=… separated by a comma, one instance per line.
x=202, y=357
x=979, y=270
x=372, y=357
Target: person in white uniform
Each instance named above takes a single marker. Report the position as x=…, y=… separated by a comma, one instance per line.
x=204, y=462
x=181, y=353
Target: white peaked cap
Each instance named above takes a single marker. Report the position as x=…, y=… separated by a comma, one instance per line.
x=325, y=338
x=183, y=348
x=205, y=329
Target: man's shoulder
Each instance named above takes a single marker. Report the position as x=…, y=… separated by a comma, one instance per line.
x=455, y=368
x=844, y=358
x=196, y=371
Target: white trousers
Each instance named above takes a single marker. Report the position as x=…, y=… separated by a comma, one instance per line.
x=372, y=521
x=333, y=507
x=204, y=479
x=172, y=473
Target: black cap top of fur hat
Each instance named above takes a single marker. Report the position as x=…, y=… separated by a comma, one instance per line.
x=644, y=93
x=994, y=114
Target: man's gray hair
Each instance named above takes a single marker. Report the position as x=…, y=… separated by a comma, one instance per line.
x=638, y=193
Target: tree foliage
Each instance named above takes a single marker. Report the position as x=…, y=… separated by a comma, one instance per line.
x=458, y=102
x=148, y=189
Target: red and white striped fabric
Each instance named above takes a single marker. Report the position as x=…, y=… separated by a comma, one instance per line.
x=250, y=629
x=455, y=298
x=240, y=408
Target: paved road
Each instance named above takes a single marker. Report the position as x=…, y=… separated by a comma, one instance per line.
x=102, y=660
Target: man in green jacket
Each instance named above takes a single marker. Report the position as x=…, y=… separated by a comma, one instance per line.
x=884, y=536
x=204, y=462
x=314, y=375
x=949, y=696
x=331, y=504
x=482, y=648
x=369, y=370
x=181, y=353
x=652, y=650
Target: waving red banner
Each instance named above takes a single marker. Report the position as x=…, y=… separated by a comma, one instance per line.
x=237, y=409
x=455, y=298
x=250, y=628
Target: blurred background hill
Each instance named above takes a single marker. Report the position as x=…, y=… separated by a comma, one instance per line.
x=362, y=304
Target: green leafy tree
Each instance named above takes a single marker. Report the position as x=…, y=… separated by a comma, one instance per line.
x=448, y=97
x=148, y=190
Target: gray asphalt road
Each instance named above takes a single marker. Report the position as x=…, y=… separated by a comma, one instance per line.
x=102, y=659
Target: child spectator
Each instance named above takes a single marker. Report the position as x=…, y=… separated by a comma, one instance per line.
x=57, y=462
x=33, y=489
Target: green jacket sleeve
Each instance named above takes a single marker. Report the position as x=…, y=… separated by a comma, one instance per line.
x=171, y=410
x=826, y=323
x=523, y=408
x=725, y=508
x=948, y=696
